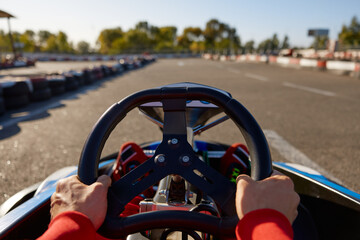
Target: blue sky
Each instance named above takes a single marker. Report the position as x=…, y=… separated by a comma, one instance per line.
x=253, y=20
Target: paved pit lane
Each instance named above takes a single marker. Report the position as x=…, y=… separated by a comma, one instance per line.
x=325, y=128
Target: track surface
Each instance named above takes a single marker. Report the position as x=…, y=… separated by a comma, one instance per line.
x=308, y=116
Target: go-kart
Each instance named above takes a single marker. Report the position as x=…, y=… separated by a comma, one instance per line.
x=179, y=187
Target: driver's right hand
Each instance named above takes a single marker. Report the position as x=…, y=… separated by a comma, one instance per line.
x=275, y=192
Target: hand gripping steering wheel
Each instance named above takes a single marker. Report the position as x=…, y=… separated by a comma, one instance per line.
x=170, y=158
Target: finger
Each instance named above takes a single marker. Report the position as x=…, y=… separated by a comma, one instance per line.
x=275, y=173
x=295, y=214
x=105, y=180
x=63, y=183
x=52, y=199
x=243, y=177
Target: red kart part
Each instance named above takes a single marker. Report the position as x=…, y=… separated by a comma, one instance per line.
x=232, y=164
x=130, y=156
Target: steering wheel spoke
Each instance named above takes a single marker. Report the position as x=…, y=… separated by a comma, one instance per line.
x=214, y=184
x=133, y=184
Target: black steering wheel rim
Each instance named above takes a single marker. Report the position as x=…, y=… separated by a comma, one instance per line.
x=88, y=164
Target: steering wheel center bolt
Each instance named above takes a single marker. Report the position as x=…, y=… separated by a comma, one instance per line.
x=185, y=159
x=174, y=141
x=160, y=159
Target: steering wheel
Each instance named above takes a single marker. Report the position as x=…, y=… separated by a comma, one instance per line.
x=173, y=157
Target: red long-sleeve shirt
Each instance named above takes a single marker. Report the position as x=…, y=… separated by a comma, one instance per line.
x=261, y=224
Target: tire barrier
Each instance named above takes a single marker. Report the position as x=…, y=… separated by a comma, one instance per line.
x=16, y=101
x=41, y=95
x=78, y=75
x=2, y=105
x=41, y=90
x=45, y=57
x=18, y=92
x=71, y=83
x=56, y=84
x=105, y=71
x=88, y=77
x=117, y=68
x=96, y=71
x=16, y=87
x=17, y=63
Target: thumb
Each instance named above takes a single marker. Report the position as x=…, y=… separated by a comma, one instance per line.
x=243, y=177
x=105, y=180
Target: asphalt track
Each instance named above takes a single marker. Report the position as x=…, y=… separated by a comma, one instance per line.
x=309, y=117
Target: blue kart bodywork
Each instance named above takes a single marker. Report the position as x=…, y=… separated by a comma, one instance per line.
x=317, y=185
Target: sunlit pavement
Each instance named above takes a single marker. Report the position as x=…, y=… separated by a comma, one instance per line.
x=316, y=113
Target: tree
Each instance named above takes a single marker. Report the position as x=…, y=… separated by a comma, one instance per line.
x=43, y=36
x=350, y=35
x=4, y=42
x=269, y=45
x=189, y=36
x=58, y=44
x=320, y=42
x=165, y=38
x=83, y=47
x=249, y=46
x=51, y=45
x=63, y=44
x=197, y=47
x=264, y=46
x=145, y=27
x=133, y=41
x=28, y=39
x=107, y=37
x=213, y=32
x=274, y=43
x=220, y=36
x=285, y=44
x=142, y=26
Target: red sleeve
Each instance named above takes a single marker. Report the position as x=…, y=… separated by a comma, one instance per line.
x=264, y=224
x=71, y=225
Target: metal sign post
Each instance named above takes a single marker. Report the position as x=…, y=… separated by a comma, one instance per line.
x=8, y=16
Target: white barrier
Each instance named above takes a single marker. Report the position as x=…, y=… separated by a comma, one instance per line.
x=340, y=65
x=241, y=58
x=351, y=68
x=283, y=60
x=264, y=58
x=223, y=58
x=252, y=58
x=308, y=62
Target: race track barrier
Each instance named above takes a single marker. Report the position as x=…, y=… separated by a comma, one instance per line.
x=339, y=67
x=308, y=63
x=17, y=92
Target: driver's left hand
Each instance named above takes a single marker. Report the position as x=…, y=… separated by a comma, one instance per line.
x=73, y=195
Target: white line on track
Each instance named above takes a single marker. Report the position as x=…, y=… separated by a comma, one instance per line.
x=291, y=154
x=180, y=63
x=257, y=77
x=233, y=70
x=310, y=89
